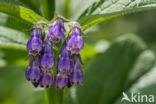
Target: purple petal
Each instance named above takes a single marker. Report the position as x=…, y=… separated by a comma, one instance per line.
x=56, y=32
x=61, y=81
x=46, y=80
x=47, y=62
x=64, y=65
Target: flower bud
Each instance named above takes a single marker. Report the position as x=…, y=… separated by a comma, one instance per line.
x=47, y=60
x=46, y=80
x=65, y=64
x=56, y=32
x=76, y=76
x=34, y=45
x=61, y=80
x=75, y=43
x=35, y=71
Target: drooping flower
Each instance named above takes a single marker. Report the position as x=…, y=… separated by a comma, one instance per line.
x=76, y=76
x=34, y=45
x=65, y=64
x=56, y=31
x=61, y=80
x=47, y=60
x=46, y=79
x=75, y=43
x=34, y=72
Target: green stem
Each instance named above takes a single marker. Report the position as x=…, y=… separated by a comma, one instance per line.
x=53, y=96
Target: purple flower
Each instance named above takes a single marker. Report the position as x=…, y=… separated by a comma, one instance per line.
x=34, y=72
x=65, y=64
x=47, y=60
x=61, y=80
x=46, y=80
x=56, y=32
x=76, y=76
x=75, y=43
x=35, y=75
x=34, y=45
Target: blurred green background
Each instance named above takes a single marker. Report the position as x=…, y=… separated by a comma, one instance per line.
x=125, y=45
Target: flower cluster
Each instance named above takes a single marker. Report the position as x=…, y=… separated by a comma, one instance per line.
x=42, y=62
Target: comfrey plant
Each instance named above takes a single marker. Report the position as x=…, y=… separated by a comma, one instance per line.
x=45, y=38
x=55, y=46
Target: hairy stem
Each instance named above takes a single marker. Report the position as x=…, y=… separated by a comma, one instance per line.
x=53, y=96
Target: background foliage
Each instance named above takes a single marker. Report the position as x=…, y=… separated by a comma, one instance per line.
x=119, y=53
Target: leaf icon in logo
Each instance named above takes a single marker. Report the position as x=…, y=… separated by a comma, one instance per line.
x=125, y=97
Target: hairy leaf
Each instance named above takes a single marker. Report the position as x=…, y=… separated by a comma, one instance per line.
x=13, y=23
x=144, y=86
x=11, y=38
x=106, y=9
x=143, y=64
x=32, y=4
x=20, y=13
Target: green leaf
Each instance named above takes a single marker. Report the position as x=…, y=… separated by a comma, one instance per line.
x=92, y=8
x=99, y=12
x=143, y=64
x=106, y=76
x=67, y=8
x=21, y=13
x=12, y=39
x=14, y=23
x=32, y=4
x=48, y=8
x=144, y=86
x=74, y=7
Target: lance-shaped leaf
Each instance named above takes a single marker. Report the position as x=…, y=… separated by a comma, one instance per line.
x=14, y=23
x=106, y=9
x=143, y=64
x=20, y=13
x=145, y=88
x=11, y=38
